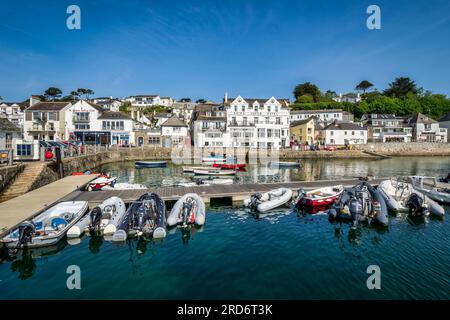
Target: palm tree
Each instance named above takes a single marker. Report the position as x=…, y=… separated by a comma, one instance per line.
x=363, y=86
x=52, y=93
x=75, y=95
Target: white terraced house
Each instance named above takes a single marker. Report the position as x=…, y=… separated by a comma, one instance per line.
x=345, y=133
x=46, y=121
x=425, y=129
x=323, y=116
x=387, y=128
x=150, y=100
x=106, y=103
x=209, y=126
x=175, y=132
x=257, y=123
x=13, y=111
x=91, y=124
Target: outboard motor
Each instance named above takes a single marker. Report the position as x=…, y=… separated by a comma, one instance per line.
x=186, y=212
x=415, y=205
x=26, y=232
x=356, y=208
x=255, y=200
x=148, y=217
x=301, y=193
x=96, y=218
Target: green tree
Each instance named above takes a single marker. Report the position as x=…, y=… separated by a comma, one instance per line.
x=85, y=93
x=185, y=100
x=307, y=88
x=363, y=86
x=306, y=98
x=201, y=101
x=125, y=107
x=401, y=87
x=52, y=93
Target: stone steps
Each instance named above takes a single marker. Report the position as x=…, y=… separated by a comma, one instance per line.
x=23, y=182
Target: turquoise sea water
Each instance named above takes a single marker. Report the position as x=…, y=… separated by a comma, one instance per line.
x=237, y=256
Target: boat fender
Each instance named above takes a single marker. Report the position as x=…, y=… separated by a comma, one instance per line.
x=332, y=213
x=119, y=236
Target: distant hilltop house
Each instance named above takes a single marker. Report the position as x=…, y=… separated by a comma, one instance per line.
x=348, y=97
x=150, y=101
x=13, y=111
x=387, y=128
x=108, y=103
x=184, y=110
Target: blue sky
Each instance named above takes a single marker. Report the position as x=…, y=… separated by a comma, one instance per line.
x=200, y=49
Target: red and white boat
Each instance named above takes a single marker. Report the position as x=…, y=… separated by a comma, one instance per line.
x=229, y=166
x=318, y=200
x=100, y=182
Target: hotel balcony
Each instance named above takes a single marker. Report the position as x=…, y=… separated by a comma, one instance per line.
x=243, y=125
x=80, y=120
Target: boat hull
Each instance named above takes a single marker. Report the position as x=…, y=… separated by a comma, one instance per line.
x=320, y=200
x=229, y=166
x=150, y=164
x=77, y=208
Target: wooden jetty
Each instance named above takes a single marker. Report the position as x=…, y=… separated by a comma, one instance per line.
x=16, y=210
x=72, y=188
x=235, y=192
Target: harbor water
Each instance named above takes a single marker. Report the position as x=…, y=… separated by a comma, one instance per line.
x=278, y=255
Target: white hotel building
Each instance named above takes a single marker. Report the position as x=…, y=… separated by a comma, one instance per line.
x=257, y=123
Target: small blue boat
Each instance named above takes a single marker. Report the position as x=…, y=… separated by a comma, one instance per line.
x=280, y=164
x=150, y=164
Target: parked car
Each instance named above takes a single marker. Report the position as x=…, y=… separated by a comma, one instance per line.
x=330, y=148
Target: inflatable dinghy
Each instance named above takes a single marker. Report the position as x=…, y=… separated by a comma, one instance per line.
x=269, y=200
x=189, y=209
x=48, y=227
x=361, y=203
x=104, y=218
x=146, y=216
x=402, y=196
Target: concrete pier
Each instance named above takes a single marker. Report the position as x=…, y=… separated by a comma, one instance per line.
x=16, y=210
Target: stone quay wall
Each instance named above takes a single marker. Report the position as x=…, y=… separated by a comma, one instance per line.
x=8, y=174
x=194, y=156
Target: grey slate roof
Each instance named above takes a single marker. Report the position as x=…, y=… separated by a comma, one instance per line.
x=174, y=121
x=49, y=106
x=344, y=126
x=445, y=118
x=111, y=115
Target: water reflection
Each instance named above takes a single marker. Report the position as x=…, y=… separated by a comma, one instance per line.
x=24, y=260
x=310, y=170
